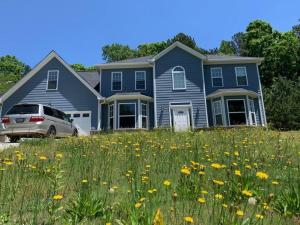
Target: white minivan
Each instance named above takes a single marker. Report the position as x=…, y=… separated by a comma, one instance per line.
x=36, y=120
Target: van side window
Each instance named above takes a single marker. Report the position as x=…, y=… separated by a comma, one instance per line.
x=48, y=111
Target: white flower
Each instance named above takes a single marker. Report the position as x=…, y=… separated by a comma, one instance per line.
x=252, y=201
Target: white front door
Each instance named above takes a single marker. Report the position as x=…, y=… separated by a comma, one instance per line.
x=82, y=121
x=181, y=118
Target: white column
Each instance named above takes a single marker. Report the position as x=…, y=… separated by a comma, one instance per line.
x=99, y=114
x=248, y=111
x=139, y=115
x=224, y=111
x=115, y=114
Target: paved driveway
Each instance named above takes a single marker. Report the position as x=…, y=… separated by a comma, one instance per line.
x=7, y=145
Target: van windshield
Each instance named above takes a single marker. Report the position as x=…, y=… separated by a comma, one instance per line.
x=24, y=109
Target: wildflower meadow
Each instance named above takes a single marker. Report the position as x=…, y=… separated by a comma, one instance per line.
x=235, y=176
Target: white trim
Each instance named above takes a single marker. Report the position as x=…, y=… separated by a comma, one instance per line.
x=232, y=92
x=38, y=67
x=99, y=115
x=224, y=112
x=123, y=65
x=263, y=111
x=204, y=92
x=115, y=115
x=129, y=97
x=139, y=114
x=100, y=79
x=147, y=115
x=181, y=104
x=109, y=117
x=48, y=73
x=176, y=72
x=214, y=111
x=145, y=79
x=245, y=112
x=111, y=80
x=212, y=78
x=154, y=96
x=233, y=61
x=236, y=75
x=126, y=103
x=251, y=122
x=179, y=45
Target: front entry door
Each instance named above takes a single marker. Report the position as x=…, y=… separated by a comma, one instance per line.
x=181, y=119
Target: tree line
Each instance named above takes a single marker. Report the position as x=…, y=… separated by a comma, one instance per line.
x=280, y=70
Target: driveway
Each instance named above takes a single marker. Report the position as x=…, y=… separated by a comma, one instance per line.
x=7, y=145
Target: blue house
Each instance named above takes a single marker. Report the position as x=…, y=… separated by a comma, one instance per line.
x=178, y=88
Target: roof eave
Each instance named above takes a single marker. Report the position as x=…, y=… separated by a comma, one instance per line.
x=232, y=61
x=123, y=65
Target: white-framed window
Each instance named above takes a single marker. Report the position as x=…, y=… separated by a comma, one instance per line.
x=216, y=77
x=252, y=112
x=178, y=77
x=241, y=76
x=127, y=115
x=111, y=116
x=116, y=81
x=236, y=112
x=52, y=79
x=140, y=80
x=144, y=114
x=218, y=113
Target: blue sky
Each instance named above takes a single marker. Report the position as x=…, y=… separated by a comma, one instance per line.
x=77, y=29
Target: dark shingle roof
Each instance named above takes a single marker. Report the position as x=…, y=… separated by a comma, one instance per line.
x=91, y=77
x=226, y=57
x=134, y=60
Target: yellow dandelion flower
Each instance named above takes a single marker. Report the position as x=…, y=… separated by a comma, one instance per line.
x=189, y=219
x=201, y=200
x=108, y=223
x=167, y=183
x=274, y=182
x=43, y=157
x=248, y=167
x=142, y=199
x=204, y=192
x=247, y=193
x=219, y=196
x=262, y=175
x=84, y=181
x=201, y=173
x=57, y=197
x=8, y=163
x=185, y=170
x=236, y=153
x=259, y=216
x=218, y=182
x=216, y=165
x=240, y=213
x=225, y=206
x=59, y=155
x=237, y=173
x=138, y=205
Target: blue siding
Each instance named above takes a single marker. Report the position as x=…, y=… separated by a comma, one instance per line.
x=71, y=95
x=128, y=83
x=194, y=86
x=229, y=79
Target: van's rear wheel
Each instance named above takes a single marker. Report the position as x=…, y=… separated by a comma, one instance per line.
x=75, y=133
x=51, y=133
x=14, y=139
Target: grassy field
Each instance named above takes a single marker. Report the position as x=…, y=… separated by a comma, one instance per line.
x=237, y=176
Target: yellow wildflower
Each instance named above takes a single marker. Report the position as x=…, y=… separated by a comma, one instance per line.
x=204, y=192
x=219, y=196
x=201, y=173
x=262, y=175
x=247, y=193
x=43, y=157
x=138, y=205
x=259, y=216
x=189, y=219
x=84, y=181
x=240, y=213
x=158, y=219
x=274, y=182
x=8, y=163
x=218, y=182
x=224, y=205
x=57, y=197
x=185, y=170
x=201, y=200
x=167, y=183
x=217, y=166
x=237, y=173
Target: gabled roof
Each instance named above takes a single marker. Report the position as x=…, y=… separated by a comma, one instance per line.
x=128, y=96
x=91, y=77
x=38, y=67
x=147, y=61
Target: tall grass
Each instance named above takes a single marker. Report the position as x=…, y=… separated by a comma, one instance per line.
x=238, y=176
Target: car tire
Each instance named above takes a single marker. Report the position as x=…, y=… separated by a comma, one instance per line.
x=51, y=133
x=75, y=133
x=14, y=139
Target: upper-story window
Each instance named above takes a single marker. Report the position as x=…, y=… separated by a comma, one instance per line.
x=116, y=81
x=140, y=80
x=216, y=77
x=178, y=76
x=52, y=79
x=241, y=76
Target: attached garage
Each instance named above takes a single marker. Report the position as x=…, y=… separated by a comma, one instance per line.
x=53, y=82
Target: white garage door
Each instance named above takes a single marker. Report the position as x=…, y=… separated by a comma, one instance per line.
x=82, y=120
